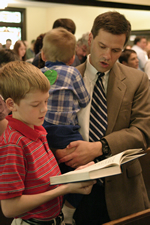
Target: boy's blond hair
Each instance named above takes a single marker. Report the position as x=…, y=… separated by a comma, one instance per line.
x=19, y=78
x=59, y=45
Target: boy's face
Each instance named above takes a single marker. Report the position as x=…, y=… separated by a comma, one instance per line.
x=32, y=109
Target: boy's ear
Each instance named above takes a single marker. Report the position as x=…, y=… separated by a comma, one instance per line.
x=43, y=56
x=10, y=104
x=71, y=60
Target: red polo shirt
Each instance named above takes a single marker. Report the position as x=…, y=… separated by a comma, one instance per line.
x=26, y=163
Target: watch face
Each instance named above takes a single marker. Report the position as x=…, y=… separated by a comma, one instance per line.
x=106, y=150
x=105, y=147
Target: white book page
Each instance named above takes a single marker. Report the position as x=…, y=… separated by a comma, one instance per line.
x=113, y=160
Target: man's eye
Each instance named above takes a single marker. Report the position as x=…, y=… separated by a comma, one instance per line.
x=102, y=46
x=115, y=50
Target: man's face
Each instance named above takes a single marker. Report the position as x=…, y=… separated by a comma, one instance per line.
x=8, y=44
x=133, y=61
x=105, y=49
x=81, y=51
x=142, y=43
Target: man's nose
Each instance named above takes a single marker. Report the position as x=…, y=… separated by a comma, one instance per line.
x=107, y=54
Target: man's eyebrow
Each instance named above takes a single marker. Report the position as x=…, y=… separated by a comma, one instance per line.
x=119, y=49
x=101, y=43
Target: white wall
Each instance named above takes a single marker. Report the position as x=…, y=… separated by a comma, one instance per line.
x=35, y=22
x=40, y=19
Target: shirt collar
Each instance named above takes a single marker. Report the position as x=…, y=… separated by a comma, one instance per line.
x=49, y=63
x=25, y=129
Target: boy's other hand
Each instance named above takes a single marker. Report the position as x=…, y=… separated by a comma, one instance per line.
x=81, y=187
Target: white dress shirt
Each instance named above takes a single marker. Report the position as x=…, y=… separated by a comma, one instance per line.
x=147, y=68
x=90, y=78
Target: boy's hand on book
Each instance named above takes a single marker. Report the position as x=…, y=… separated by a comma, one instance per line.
x=81, y=187
x=84, y=153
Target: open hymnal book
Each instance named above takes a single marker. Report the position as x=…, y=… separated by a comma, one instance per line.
x=107, y=167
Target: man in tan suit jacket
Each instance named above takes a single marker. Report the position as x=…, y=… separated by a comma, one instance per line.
x=128, y=109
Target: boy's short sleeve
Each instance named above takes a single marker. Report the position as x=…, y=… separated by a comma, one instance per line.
x=12, y=171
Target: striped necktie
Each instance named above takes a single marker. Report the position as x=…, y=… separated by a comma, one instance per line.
x=98, y=114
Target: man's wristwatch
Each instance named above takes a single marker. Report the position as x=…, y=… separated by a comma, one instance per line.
x=105, y=148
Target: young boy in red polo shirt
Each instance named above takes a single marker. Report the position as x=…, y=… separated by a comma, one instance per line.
x=26, y=162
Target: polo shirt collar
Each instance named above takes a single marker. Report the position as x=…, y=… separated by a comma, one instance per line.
x=50, y=64
x=25, y=129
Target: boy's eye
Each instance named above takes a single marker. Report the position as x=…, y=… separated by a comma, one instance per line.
x=35, y=105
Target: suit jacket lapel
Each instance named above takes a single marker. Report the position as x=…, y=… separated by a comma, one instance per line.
x=115, y=93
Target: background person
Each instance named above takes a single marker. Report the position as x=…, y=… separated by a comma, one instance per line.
x=81, y=51
x=66, y=23
x=139, y=47
x=129, y=58
x=37, y=61
x=6, y=55
x=20, y=49
x=62, y=22
x=30, y=54
x=8, y=44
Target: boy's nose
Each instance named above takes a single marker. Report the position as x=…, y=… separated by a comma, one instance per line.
x=44, y=108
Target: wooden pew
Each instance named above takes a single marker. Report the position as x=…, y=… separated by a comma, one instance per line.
x=140, y=218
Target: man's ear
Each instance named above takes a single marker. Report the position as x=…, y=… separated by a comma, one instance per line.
x=90, y=39
x=11, y=105
x=43, y=56
x=71, y=60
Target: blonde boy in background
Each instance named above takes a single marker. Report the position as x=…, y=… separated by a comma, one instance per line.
x=67, y=96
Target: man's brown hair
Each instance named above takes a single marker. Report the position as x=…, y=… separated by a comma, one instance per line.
x=112, y=22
